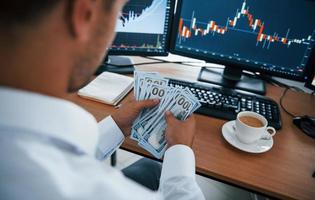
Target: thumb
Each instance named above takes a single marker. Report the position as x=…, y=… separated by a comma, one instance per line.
x=169, y=116
x=147, y=103
x=191, y=119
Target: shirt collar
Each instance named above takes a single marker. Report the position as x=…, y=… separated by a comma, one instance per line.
x=52, y=116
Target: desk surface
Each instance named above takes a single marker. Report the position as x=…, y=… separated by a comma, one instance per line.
x=283, y=172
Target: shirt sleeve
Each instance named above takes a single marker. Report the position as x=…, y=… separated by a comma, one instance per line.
x=110, y=139
x=178, y=175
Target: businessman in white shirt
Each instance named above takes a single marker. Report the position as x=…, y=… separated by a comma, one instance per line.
x=49, y=147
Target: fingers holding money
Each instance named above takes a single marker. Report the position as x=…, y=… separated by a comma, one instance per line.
x=152, y=126
x=139, y=105
x=127, y=113
x=179, y=132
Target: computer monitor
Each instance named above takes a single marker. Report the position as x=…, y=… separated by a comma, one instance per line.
x=270, y=37
x=143, y=29
x=310, y=83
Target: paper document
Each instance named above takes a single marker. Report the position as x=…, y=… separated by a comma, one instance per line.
x=109, y=88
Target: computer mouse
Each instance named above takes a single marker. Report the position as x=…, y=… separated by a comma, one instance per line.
x=306, y=124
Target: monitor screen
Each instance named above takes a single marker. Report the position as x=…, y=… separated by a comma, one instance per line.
x=143, y=28
x=274, y=37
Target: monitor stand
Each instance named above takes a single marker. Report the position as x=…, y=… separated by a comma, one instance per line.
x=230, y=77
x=120, y=65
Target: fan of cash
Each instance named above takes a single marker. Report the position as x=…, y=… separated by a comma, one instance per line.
x=149, y=128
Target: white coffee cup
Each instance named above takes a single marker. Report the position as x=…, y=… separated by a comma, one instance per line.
x=250, y=134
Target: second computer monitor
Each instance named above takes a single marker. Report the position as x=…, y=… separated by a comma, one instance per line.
x=273, y=37
x=143, y=28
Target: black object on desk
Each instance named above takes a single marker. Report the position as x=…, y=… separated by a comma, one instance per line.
x=306, y=124
x=230, y=77
x=116, y=64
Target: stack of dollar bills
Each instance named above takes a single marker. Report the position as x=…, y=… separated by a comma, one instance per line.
x=149, y=128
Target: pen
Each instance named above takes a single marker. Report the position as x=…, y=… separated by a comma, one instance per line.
x=118, y=106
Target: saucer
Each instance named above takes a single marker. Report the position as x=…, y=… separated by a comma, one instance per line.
x=260, y=146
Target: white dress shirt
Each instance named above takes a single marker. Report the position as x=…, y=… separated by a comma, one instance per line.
x=47, y=151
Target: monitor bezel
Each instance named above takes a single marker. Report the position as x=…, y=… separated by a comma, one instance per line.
x=244, y=66
x=145, y=53
x=310, y=77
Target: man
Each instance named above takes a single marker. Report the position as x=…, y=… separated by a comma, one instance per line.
x=49, y=48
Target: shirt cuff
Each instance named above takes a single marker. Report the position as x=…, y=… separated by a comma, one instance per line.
x=110, y=139
x=179, y=160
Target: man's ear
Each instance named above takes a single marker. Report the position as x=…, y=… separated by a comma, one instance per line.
x=80, y=17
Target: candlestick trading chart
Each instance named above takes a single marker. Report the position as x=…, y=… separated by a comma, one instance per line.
x=273, y=35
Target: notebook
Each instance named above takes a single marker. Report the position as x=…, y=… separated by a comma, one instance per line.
x=108, y=88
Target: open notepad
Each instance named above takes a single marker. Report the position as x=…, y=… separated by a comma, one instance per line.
x=107, y=88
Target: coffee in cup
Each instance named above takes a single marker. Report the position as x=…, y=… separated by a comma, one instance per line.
x=251, y=121
x=251, y=126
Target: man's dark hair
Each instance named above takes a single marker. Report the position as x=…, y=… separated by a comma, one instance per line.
x=17, y=12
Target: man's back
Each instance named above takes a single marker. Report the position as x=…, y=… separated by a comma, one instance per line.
x=48, y=148
x=33, y=168
x=39, y=161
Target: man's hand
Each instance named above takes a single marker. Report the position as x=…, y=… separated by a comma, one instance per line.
x=125, y=116
x=179, y=132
